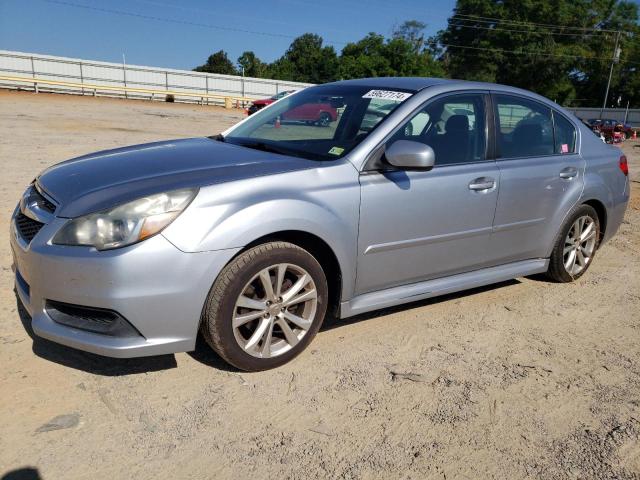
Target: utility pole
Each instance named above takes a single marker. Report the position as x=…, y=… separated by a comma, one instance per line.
x=626, y=113
x=614, y=60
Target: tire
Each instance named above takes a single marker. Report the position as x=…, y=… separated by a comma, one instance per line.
x=324, y=120
x=565, y=266
x=223, y=322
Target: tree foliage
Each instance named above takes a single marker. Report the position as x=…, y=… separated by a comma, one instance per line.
x=308, y=60
x=251, y=65
x=218, y=63
x=375, y=56
x=561, y=49
x=569, y=64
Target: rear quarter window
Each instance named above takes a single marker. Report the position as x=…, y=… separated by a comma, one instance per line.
x=565, y=135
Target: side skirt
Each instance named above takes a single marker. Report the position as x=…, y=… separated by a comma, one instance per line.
x=440, y=286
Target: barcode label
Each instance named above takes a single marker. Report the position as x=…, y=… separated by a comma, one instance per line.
x=387, y=95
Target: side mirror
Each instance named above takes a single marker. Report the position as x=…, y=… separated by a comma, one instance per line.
x=410, y=155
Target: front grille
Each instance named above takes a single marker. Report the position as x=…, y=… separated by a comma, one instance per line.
x=27, y=227
x=43, y=203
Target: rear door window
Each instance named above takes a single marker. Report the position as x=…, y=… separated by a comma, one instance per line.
x=525, y=128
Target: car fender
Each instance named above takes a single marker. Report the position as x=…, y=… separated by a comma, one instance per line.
x=323, y=202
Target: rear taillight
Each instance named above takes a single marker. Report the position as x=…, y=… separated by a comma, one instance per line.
x=624, y=166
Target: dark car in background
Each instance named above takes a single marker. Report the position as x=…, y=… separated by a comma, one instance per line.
x=260, y=104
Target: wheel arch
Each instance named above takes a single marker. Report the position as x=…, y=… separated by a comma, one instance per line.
x=321, y=251
x=601, y=210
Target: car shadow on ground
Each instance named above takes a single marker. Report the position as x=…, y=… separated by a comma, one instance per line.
x=27, y=473
x=205, y=355
x=106, y=366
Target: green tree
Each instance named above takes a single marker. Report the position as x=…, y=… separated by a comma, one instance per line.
x=218, y=63
x=411, y=31
x=307, y=60
x=405, y=54
x=592, y=75
x=252, y=65
x=365, y=58
x=545, y=51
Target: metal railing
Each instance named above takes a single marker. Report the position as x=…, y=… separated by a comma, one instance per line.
x=38, y=83
x=630, y=116
x=71, y=75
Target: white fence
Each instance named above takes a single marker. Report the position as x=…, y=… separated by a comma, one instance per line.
x=87, y=72
x=631, y=116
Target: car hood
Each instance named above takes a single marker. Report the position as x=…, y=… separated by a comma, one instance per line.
x=266, y=101
x=105, y=179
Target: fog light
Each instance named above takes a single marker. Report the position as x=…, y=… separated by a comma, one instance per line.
x=90, y=319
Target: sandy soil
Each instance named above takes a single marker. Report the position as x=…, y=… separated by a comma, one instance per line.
x=526, y=379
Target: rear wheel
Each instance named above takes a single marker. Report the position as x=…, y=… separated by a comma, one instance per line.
x=266, y=306
x=575, y=246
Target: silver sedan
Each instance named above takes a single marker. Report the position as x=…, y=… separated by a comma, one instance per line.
x=252, y=237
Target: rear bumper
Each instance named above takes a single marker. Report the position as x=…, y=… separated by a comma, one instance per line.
x=157, y=288
x=615, y=214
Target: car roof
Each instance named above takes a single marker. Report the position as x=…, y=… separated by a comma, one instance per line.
x=408, y=83
x=420, y=83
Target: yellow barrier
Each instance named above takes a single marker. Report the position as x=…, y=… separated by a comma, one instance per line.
x=227, y=99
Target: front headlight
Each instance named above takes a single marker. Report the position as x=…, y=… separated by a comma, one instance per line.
x=126, y=224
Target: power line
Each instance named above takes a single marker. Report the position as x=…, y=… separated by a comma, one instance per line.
x=531, y=52
x=481, y=19
x=281, y=35
x=181, y=22
x=499, y=29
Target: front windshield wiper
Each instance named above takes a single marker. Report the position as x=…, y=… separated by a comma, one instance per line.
x=218, y=138
x=267, y=147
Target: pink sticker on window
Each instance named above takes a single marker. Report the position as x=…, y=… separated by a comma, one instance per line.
x=564, y=148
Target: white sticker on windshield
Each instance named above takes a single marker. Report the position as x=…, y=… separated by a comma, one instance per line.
x=387, y=95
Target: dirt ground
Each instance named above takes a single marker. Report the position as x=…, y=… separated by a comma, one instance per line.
x=525, y=379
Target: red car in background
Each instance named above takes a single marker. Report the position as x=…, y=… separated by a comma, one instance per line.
x=613, y=130
x=260, y=104
x=321, y=114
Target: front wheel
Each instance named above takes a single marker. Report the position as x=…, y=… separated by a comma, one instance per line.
x=266, y=306
x=576, y=245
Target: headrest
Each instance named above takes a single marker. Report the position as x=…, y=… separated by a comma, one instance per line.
x=528, y=132
x=456, y=123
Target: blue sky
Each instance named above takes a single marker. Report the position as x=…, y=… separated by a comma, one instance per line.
x=44, y=26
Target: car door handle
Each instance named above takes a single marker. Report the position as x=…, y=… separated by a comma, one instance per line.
x=568, y=173
x=482, y=183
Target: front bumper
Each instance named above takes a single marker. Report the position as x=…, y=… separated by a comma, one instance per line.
x=157, y=288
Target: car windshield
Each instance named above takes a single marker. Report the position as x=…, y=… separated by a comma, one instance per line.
x=318, y=123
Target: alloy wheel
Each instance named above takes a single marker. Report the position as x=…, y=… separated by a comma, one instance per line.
x=579, y=245
x=275, y=310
